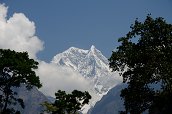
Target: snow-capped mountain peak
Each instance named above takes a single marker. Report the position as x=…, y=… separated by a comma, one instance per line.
x=92, y=65
x=93, y=49
x=80, y=59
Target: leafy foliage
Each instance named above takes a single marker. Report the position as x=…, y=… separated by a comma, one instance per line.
x=68, y=103
x=144, y=60
x=15, y=69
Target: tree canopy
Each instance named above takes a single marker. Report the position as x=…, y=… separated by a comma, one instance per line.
x=15, y=69
x=68, y=103
x=144, y=60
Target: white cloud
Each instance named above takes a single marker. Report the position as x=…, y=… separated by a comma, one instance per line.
x=3, y=12
x=18, y=33
x=56, y=78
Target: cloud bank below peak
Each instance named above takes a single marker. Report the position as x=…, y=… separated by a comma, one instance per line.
x=54, y=78
x=18, y=33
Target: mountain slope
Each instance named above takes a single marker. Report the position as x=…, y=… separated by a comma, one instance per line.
x=32, y=100
x=111, y=103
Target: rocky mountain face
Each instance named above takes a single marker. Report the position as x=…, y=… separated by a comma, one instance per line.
x=93, y=66
x=32, y=100
x=111, y=103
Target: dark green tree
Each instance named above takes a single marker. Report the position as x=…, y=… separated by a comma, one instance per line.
x=15, y=69
x=144, y=60
x=68, y=103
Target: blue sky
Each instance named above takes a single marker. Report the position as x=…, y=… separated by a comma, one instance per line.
x=61, y=24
